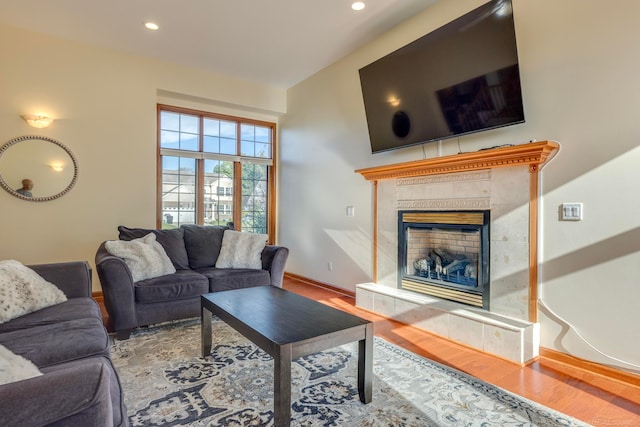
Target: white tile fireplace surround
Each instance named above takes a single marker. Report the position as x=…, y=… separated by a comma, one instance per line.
x=503, y=181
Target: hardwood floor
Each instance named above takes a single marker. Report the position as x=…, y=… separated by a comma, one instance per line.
x=589, y=397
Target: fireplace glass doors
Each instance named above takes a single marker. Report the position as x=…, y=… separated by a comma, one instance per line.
x=445, y=254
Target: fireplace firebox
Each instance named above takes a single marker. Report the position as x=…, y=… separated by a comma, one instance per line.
x=445, y=254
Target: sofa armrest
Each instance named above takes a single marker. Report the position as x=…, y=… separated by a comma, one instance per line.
x=73, y=278
x=274, y=260
x=77, y=396
x=117, y=288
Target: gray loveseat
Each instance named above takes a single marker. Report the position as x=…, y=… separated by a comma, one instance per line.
x=193, y=250
x=70, y=346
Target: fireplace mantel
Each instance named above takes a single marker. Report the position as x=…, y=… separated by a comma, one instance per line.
x=534, y=154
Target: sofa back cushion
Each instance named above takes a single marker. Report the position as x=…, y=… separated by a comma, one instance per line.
x=172, y=242
x=203, y=244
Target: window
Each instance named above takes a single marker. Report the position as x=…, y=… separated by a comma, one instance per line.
x=214, y=170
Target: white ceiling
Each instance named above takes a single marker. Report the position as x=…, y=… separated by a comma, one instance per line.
x=276, y=42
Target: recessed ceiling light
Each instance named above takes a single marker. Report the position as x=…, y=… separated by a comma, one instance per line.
x=151, y=25
x=504, y=10
x=358, y=5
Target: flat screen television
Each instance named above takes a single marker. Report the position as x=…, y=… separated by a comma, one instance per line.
x=459, y=79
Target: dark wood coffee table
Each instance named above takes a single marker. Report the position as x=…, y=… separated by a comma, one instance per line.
x=288, y=326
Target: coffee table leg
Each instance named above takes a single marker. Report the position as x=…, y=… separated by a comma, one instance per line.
x=205, y=330
x=282, y=386
x=365, y=365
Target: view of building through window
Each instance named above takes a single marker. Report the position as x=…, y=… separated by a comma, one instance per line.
x=215, y=170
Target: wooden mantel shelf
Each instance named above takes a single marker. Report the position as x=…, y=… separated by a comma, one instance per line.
x=534, y=154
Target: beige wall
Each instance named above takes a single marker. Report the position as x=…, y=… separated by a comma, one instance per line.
x=580, y=73
x=105, y=108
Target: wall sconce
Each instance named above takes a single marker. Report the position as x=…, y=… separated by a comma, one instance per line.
x=37, y=120
x=393, y=100
x=58, y=167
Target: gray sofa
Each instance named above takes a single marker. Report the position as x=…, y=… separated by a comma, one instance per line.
x=70, y=346
x=193, y=250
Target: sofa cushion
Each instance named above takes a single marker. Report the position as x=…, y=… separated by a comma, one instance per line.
x=24, y=291
x=15, y=368
x=180, y=285
x=145, y=257
x=171, y=240
x=203, y=244
x=222, y=279
x=47, y=345
x=75, y=308
x=241, y=250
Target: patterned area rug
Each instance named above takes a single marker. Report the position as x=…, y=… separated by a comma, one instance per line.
x=166, y=383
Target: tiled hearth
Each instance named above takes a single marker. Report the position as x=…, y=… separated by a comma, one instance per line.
x=503, y=181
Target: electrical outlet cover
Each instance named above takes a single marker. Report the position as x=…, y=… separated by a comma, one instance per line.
x=571, y=212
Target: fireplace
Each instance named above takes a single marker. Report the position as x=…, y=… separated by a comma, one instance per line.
x=445, y=254
x=500, y=186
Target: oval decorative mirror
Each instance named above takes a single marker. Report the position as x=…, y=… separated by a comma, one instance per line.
x=37, y=168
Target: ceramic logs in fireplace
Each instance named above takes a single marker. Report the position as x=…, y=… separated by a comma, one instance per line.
x=445, y=254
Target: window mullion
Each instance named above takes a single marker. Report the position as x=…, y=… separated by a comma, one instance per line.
x=271, y=199
x=237, y=181
x=237, y=195
x=200, y=174
x=200, y=191
x=238, y=138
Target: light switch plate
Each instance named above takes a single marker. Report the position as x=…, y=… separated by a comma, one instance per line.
x=571, y=212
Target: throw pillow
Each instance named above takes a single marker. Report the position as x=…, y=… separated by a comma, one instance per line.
x=145, y=257
x=15, y=368
x=171, y=240
x=23, y=291
x=241, y=250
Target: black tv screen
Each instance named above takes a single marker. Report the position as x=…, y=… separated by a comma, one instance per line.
x=459, y=79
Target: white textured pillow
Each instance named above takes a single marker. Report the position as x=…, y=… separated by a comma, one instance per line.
x=23, y=291
x=145, y=257
x=241, y=250
x=15, y=368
